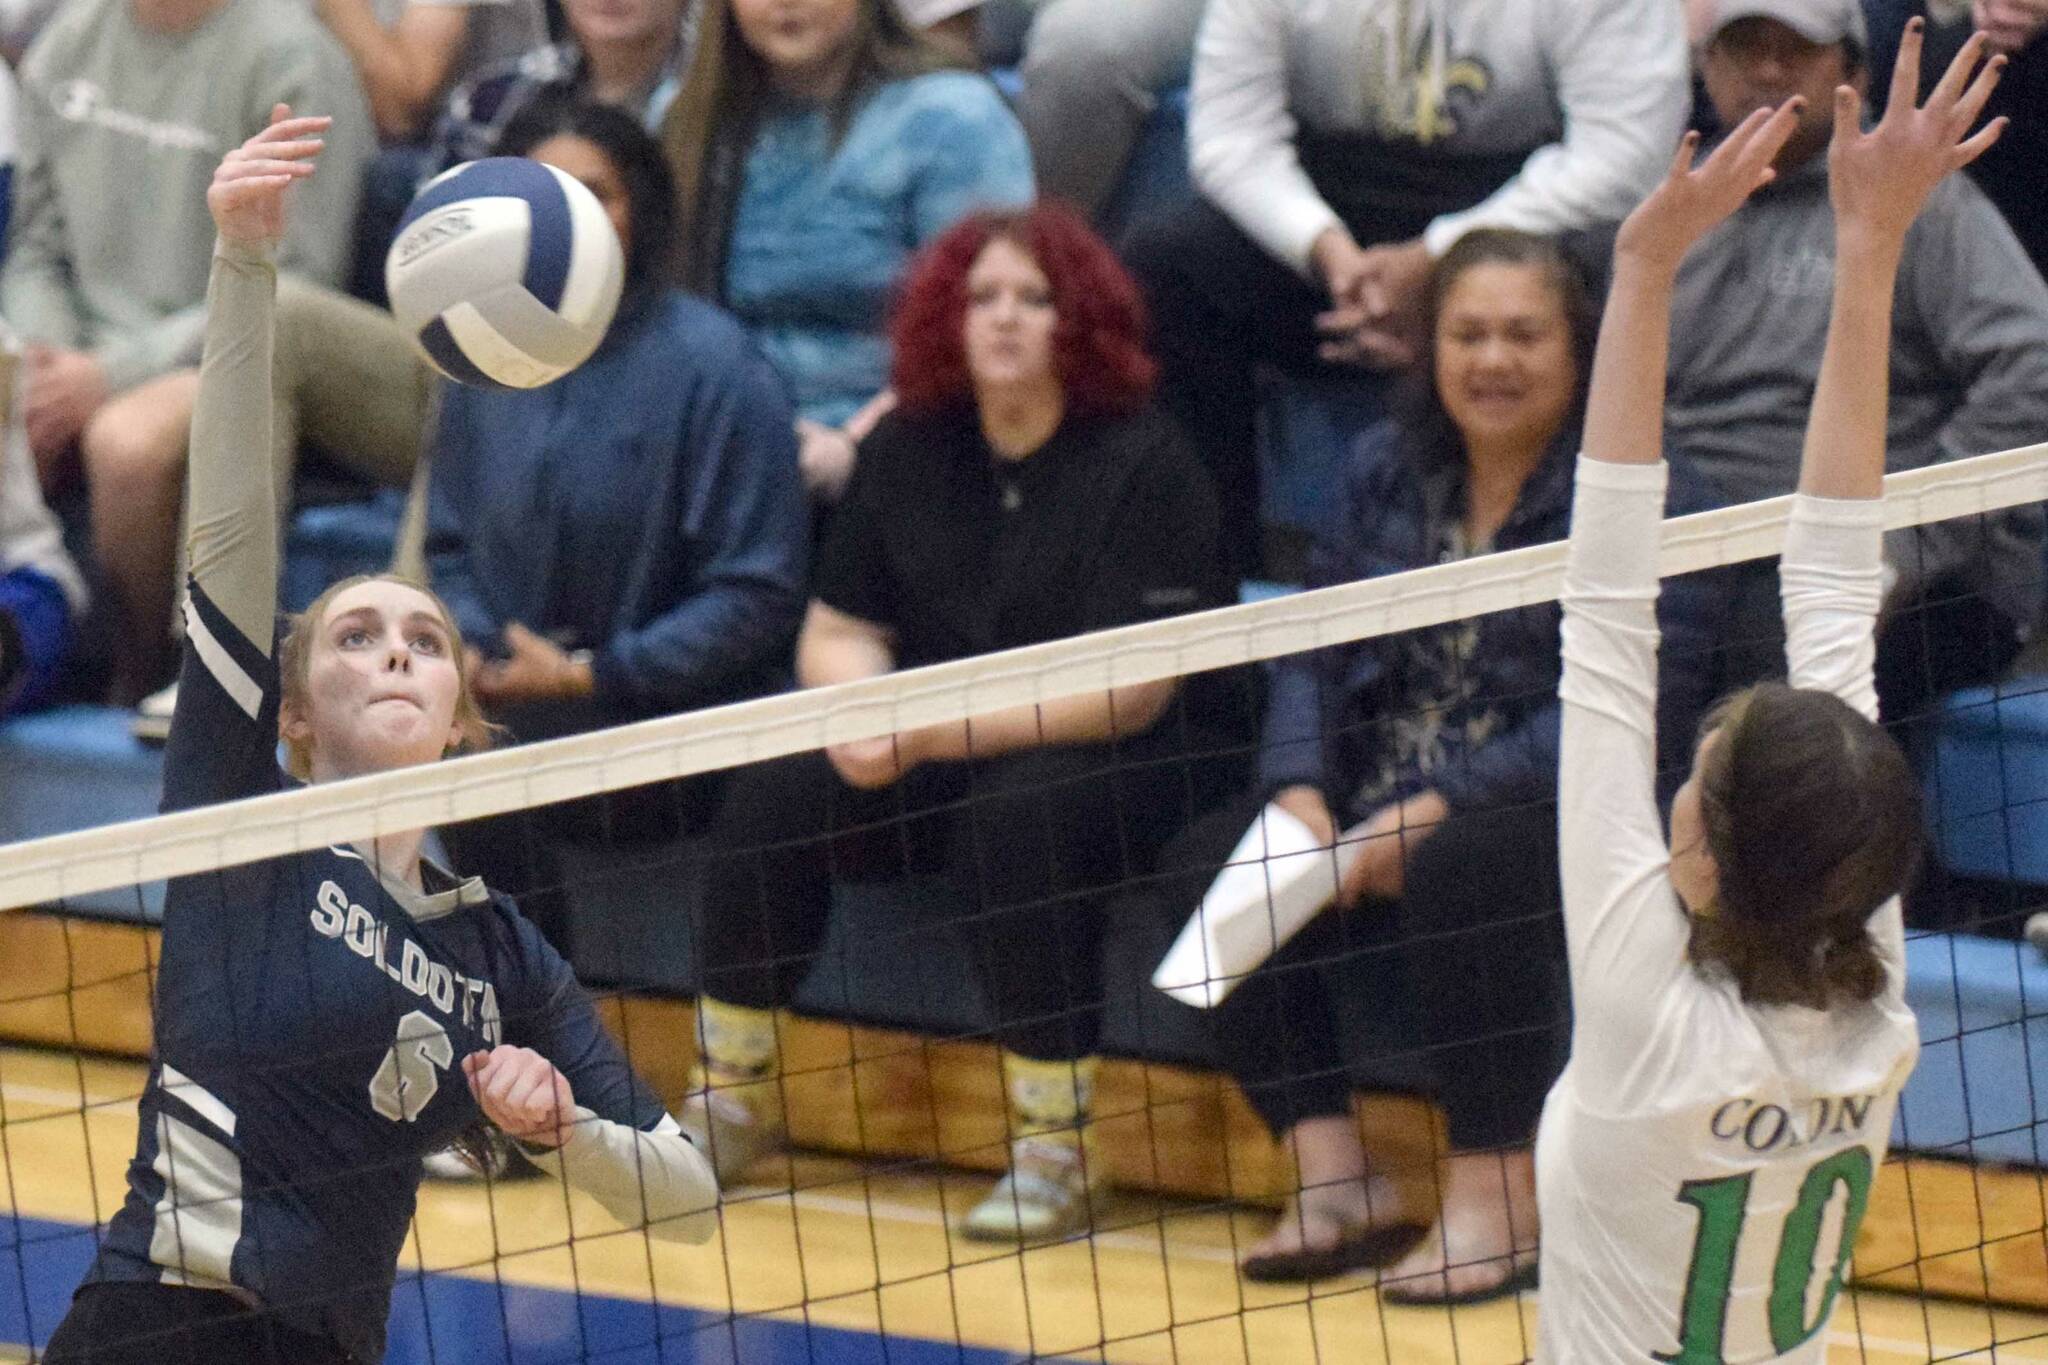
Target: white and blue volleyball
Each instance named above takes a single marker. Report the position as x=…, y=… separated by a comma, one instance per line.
x=505, y=273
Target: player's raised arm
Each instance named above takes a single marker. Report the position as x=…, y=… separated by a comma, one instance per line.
x=1879, y=180
x=232, y=504
x=1611, y=840
x=1625, y=407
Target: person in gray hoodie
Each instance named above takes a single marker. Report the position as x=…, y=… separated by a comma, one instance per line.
x=126, y=106
x=1969, y=365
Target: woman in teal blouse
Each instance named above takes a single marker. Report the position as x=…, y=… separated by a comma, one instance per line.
x=816, y=148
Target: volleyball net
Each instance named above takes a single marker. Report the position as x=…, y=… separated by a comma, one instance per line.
x=1124, y=892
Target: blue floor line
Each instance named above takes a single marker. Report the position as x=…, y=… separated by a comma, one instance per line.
x=452, y=1320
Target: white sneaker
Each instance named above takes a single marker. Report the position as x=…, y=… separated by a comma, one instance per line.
x=1046, y=1195
x=151, y=722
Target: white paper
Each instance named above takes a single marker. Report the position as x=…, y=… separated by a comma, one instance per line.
x=1279, y=877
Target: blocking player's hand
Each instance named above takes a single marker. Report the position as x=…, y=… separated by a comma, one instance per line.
x=523, y=1093
x=1879, y=179
x=1695, y=198
x=247, y=194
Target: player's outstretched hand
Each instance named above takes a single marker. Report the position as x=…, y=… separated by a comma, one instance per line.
x=523, y=1093
x=1880, y=179
x=247, y=194
x=1693, y=199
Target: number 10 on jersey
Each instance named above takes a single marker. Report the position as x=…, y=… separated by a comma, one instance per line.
x=1723, y=1205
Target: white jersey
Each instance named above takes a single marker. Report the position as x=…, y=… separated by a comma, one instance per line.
x=1702, y=1164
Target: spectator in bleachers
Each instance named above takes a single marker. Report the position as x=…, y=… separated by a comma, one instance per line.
x=816, y=149
x=952, y=24
x=20, y=21
x=10, y=146
x=109, y=250
x=1969, y=365
x=1340, y=145
x=408, y=52
x=629, y=541
x=41, y=592
x=627, y=53
x=1092, y=77
x=1024, y=490
x=1436, y=749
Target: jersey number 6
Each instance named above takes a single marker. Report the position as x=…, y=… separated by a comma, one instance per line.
x=410, y=1074
x=1722, y=1204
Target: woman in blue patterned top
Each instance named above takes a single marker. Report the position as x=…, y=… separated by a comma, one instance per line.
x=325, y=1019
x=817, y=146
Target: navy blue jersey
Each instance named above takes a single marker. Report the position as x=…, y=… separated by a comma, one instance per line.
x=311, y=1021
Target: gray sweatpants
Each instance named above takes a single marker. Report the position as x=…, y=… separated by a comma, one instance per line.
x=1093, y=72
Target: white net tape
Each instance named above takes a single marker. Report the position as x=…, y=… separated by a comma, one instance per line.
x=512, y=779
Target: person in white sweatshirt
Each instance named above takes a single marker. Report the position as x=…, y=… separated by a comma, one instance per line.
x=1341, y=145
x=1740, y=1032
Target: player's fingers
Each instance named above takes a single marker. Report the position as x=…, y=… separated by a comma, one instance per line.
x=1906, y=71
x=1767, y=141
x=1971, y=104
x=1681, y=157
x=1736, y=146
x=1970, y=150
x=297, y=150
x=1949, y=88
x=266, y=169
x=291, y=129
x=1848, y=116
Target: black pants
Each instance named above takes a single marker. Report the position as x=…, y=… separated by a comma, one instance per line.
x=161, y=1324
x=1222, y=307
x=1034, y=841
x=1460, y=985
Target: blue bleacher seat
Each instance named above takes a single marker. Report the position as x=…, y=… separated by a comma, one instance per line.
x=1987, y=789
x=73, y=768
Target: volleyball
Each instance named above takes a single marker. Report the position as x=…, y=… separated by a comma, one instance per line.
x=505, y=273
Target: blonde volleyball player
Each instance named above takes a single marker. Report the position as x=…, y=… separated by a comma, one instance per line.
x=325, y=1019
x=1741, y=1032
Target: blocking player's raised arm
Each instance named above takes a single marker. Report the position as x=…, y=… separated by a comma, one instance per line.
x=1610, y=837
x=1879, y=180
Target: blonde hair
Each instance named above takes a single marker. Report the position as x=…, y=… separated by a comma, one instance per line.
x=295, y=660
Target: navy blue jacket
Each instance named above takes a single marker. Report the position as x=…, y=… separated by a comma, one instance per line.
x=1323, y=724
x=647, y=507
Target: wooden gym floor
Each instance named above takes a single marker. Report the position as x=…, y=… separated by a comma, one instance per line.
x=856, y=1265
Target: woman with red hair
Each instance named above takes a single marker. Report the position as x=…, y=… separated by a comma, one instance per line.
x=1023, y=490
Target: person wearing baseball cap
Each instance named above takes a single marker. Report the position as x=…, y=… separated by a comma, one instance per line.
x=1760, y=53
x=1969, y=363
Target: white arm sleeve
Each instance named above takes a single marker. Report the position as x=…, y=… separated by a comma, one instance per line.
x=655, y=1180
x=1241, y=131
x=1831, y=580
x=1625, y=930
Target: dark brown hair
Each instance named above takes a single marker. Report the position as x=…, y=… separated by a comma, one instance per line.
x=1433, y=438
x=1812, y=816
x=711, y=125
